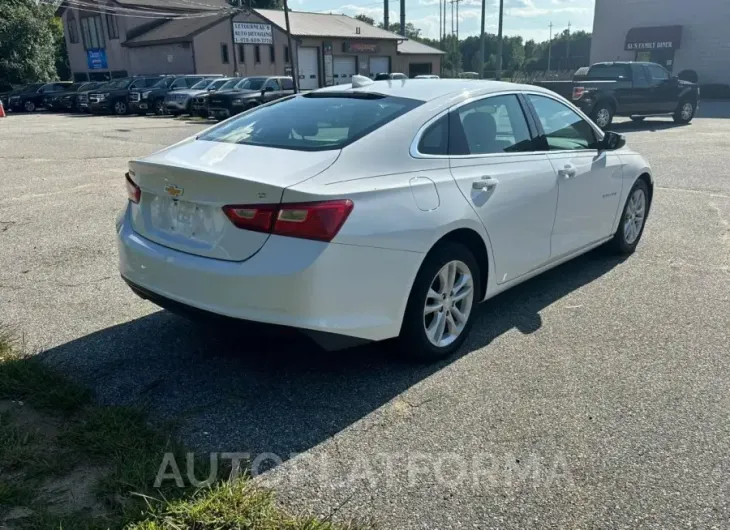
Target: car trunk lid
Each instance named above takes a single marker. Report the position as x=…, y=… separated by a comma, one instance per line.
x=184, y=188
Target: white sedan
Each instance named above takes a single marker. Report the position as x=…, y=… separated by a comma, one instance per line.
x=378, y=210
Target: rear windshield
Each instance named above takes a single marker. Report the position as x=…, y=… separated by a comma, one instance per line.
x=608, y=71
x=164, y=82
x=312, y=122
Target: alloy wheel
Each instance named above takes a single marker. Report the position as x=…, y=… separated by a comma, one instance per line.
x=603, y=117
x=29, y=106
x=159, y=108
x=686, y=111
x=120, y=107
x=449, y=303
x=634, y=217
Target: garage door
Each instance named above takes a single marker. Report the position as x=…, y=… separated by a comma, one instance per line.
x=344, y=69
x=308, y=69
x=379, y=65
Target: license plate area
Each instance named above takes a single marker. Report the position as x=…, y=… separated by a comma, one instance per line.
x=185, y=220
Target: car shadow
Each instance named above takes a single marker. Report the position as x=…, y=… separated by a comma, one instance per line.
x=649, y=124
x=250, y=388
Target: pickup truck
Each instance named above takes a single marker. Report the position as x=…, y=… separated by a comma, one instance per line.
x=250, y=93
x=633, y=89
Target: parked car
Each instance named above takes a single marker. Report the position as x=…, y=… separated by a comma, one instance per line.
x=31, y=97
x=6, y=89
x=114, y=96
x=314, y=211
x=180, y=101
x=384, y=76
x=427, y=76
x=200, y=102
x=153, y=98
x=66, y=100
x=634, y=89
x=252, y=92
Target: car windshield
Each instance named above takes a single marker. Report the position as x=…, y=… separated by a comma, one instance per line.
x=252, y=83
x=163, y=82
x=33, y=87
x=218, y=83
x=74, y=87
x=203, y=84
x=230, y=83
x=312, y=122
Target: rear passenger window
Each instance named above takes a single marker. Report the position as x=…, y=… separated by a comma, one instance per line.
x=491, y=125
x=287, y=84
x=435, y=141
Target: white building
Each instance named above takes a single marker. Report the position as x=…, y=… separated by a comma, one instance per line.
x=678, y=34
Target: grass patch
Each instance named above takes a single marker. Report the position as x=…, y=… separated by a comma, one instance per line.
x=66, y=462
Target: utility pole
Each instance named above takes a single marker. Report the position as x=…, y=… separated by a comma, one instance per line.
x=457, y=22
x=452, y=16
x=440, y=22
x=499, y=41
x=550, y=47
x=481, y=42
x=403, y=17
x=386, y=15
x=567, y=49
x=294, y=60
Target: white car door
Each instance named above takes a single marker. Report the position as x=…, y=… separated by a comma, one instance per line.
x=589, y=179
x=511, y=187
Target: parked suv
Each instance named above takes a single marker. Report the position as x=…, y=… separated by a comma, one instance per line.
x=66, y=100
x=200, y=102
x=181, y=101
x=252, y=92
x=114, y=96
x=153, y=98
x=31, y=97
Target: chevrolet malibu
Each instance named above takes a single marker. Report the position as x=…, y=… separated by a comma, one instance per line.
x=378, y=210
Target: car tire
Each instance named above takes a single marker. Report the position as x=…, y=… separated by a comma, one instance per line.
x=602, y=114
x=638, y=119
x=685, y=111
x=159, y=107
x=427, y=332
x=120, y=108
x=633, y=219
x=29, y=106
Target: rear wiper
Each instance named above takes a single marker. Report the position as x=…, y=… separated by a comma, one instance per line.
x=345, y=95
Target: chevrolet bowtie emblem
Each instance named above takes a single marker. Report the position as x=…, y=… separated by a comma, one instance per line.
x=173, y=191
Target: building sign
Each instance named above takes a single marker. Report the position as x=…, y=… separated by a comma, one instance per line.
x=360, y=47
x=96, y=59
x=329, y=72
x=668, y=45
x=656, y=38
x=252, y=33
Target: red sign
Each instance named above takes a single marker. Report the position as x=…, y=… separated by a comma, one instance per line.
x=361, y=47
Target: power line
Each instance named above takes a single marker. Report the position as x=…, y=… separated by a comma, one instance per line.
x=136, y=13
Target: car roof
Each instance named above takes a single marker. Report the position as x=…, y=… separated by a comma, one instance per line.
x=429, y=89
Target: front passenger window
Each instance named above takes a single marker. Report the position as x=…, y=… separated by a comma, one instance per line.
x=564, y=129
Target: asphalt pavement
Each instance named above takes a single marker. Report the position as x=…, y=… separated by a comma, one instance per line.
x=594, y=396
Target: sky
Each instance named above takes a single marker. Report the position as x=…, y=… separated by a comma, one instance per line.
x=527, y=18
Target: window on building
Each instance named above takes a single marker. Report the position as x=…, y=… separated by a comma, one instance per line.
x=241, y=54
x=224, y=53
x=272, y=53
x=111, y=26
x=286, y=54
x=73, y=29
x=92, y=32
x=257, y=54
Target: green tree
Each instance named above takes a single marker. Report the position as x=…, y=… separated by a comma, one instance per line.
x=412, y=32
x=27, y=43
x=63, y=68
x=366, y=19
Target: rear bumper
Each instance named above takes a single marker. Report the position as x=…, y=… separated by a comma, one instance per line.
x=342, y=289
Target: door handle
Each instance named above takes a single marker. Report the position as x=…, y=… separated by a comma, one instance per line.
x=484, y=183
x=567, y=172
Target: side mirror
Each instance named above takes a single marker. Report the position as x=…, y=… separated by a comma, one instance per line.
x=612, y=141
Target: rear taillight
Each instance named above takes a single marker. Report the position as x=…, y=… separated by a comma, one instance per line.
x=133, y=191
x=578, y=92
x=315, y=220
